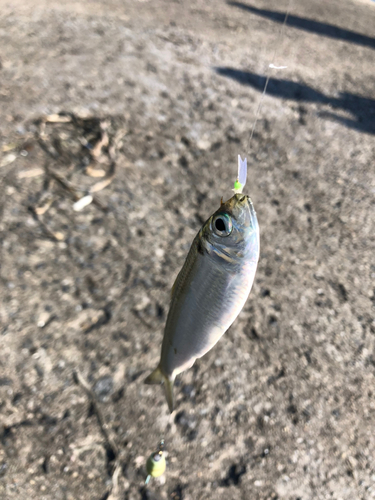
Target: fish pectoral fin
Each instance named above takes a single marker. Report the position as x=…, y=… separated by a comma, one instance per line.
x=156, y=377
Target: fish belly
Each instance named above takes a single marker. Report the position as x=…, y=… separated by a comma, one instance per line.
x=207, y=299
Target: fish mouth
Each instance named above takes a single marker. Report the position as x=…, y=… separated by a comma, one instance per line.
x=250, y=204
x=244, y=201
x=253, y=215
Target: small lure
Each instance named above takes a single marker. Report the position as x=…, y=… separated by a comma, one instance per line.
x=212, y=286
x=156, y=464
x=242, y=175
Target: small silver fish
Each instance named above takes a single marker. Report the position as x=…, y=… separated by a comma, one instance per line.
x=210, y=290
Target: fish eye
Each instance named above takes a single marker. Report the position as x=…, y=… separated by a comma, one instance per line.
x=219, y=224
x=222, y=225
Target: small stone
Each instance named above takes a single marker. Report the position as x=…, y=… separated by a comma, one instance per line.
x=3, y=469
x=159, y=252
x=43, y=319
x=6, y=160
x=104, y=387
x=5, y=381
x=203, y=145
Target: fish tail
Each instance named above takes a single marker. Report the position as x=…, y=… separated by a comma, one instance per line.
x=168, y=384
x=156, y=377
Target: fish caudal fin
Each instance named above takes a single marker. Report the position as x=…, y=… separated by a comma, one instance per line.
x=168, y=384
x=156, y=377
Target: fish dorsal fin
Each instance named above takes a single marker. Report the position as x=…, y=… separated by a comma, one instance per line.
x=174, y=285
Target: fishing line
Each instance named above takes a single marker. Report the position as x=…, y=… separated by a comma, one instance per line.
x=268, y=72
x=156, y=464
x=242, y=164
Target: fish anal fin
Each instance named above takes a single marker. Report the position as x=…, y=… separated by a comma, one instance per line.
x=156, y=377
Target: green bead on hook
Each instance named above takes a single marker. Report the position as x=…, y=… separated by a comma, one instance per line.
x=237, y=187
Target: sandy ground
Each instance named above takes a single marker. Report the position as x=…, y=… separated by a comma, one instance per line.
x=153, y=101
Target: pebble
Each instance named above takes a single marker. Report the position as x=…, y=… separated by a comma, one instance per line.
x=203, y=145
x=104, y=387
x=6, y=160
x=43, y=319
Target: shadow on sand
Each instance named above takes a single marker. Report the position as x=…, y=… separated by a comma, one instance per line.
x=310, y=25
x=362, y=108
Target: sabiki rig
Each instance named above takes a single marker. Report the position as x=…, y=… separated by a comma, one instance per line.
x=212, y=286
x=156, y=464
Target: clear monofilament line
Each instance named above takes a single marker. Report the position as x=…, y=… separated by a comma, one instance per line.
x=268, y=75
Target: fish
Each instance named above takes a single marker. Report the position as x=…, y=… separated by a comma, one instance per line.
x=210, y=290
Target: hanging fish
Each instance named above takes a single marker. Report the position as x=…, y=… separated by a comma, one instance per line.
x=212, y=286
